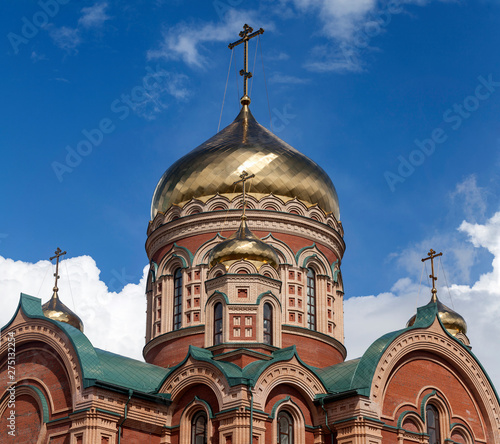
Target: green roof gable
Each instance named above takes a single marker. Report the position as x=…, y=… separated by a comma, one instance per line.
x=99, y=367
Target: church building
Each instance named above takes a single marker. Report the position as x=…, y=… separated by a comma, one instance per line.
x=244, y=327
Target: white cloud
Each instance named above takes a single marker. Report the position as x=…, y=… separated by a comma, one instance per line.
x=94, y=16
x=163, y=85
x=66, y=38
x=36, y=57
x=185, y=41
x=473, y=197
x=369, y=317
x=350, y=25
x=113, y=321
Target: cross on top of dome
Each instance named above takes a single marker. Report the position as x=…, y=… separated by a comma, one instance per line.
x=243, y=178
x=245, y=35
x=431, y=255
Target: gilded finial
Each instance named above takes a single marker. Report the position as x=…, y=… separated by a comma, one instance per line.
x=54, y=308
x=431, y=255
x=245, y=35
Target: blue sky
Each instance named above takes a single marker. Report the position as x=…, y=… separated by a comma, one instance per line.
x=399, y=102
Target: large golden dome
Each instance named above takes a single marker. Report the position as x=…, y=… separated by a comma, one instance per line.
x=215, y=165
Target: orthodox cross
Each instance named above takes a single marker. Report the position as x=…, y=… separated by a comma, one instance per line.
x=243, y=178
x=432, y=254
x=58, y=254
x=245, y=35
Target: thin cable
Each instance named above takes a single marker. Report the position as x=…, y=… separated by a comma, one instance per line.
x=427, y=275
x=265, y=83
x=225, y=89
x=46, y=271
x=447, y=285
x=253, y=69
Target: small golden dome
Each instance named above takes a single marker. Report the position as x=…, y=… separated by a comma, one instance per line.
x=56, y=310
x=245, y=145
x=451, y=320
x=243, y=245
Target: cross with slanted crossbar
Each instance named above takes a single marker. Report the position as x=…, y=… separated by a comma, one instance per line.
x=244, y=177
x=58, y=253
x=432, y=254
x=245, y=35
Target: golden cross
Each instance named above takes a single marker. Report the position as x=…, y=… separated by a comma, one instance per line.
x=244, y=177
x=432, y=254
x=58, y=253
x=245, y=35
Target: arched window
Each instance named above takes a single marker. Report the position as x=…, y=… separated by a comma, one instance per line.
x=311, y=299
x=285, y=428
x=218, y=323
x=268, y=324
x=432, y=417
x=199, y=428
x=177, y=299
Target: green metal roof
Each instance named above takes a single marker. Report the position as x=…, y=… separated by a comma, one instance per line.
x=130, y=373
x=356, y=375
x=102, y=368
x=99, y=366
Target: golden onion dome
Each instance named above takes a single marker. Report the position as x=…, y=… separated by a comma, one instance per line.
x=56, y=310
x=243, y=245
x=451, y=320
x=245, y=145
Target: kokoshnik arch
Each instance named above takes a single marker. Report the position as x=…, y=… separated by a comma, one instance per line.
x=245, y=328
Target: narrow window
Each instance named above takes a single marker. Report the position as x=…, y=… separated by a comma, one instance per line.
x=433, y=424
x=268, y=324
x=199, y=428
x=311, y=299
x=218, y=323
x=285, y=428
x=177, y=299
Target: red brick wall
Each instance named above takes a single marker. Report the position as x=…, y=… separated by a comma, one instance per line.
x=431, y=371
x=37, y=361
x=389, y=437
x=281, y=392
x=130, y=436
x=192, y=243
x=27, y=421
x=173, y=352
x=313, y=351
x=186, y=397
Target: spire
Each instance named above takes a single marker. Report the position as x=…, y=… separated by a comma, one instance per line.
x=245, y=35
x=453, y=322
x=54, y=308
x=431, y=255
x=58, y=254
